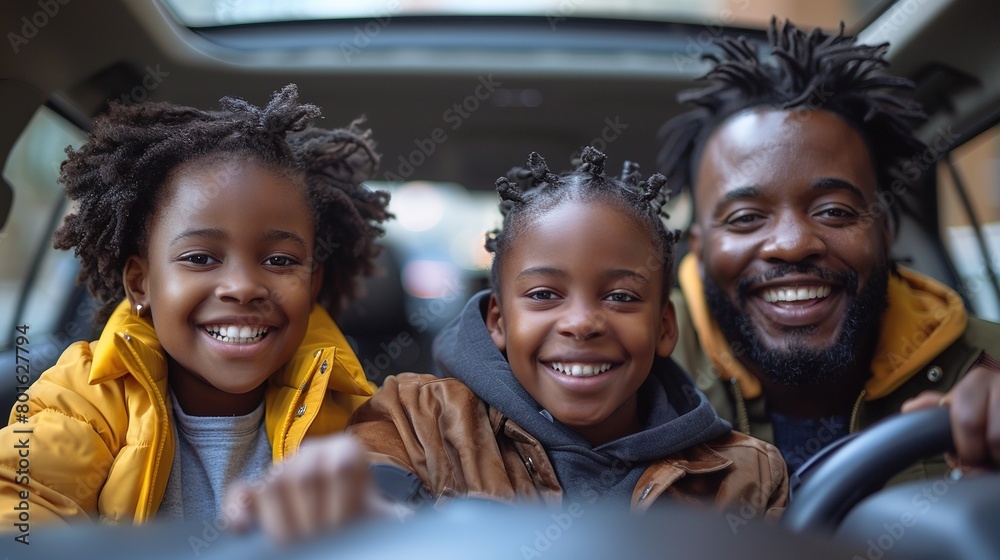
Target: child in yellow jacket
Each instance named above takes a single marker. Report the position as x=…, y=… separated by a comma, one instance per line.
x=219, y=244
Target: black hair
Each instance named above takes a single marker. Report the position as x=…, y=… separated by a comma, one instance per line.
x=808, y=71
x=527, y=192
x=116, y=180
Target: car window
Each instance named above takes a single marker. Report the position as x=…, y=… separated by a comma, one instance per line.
x=433, y=260
x=977, y=166
x=35, y=278
x=197, y=13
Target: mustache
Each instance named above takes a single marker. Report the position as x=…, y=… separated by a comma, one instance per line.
x=848, y=279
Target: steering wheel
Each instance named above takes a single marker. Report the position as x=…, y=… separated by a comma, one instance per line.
x=843, y=474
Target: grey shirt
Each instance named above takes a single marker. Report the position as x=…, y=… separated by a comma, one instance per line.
x=211, y=453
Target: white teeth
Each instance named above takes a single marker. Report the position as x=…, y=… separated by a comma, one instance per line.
x=580, y=370
x=236, y=334
x=796, y=294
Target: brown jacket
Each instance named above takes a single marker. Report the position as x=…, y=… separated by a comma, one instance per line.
x=459, y=446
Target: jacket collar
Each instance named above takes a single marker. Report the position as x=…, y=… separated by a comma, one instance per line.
x=323, y=334
x=127, y=338
x=660, y=477
x=923, y=318
x=698, y=459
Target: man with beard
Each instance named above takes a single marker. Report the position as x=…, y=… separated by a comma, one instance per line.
x=794, y=319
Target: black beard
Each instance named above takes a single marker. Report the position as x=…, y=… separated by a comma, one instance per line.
x=799, y=364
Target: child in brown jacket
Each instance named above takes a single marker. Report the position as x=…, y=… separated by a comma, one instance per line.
x=560, y=388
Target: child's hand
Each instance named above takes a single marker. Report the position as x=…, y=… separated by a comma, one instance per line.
x=325, y=486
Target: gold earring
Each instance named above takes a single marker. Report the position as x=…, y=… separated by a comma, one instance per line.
x=138, y=310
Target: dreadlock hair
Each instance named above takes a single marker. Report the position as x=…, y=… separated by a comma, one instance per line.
x=808, y=71
x=116, y=179
x=528, y=192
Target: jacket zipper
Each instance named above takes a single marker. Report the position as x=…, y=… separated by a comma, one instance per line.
x=144, y=511
x=742, y=416
x=853, y=425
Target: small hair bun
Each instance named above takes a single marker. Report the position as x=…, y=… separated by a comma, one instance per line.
x=630, y=173
x=592, y=161
x=540, y=172
x=508, y=190
x=655, y=194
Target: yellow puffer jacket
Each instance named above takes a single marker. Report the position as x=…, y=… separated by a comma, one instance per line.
x=97, y=441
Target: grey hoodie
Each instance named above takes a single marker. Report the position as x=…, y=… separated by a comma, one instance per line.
x=679, y=415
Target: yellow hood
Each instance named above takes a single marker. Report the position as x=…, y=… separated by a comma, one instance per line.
x=923, y=318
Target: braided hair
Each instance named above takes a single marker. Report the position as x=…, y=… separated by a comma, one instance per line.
x=116, y=180
x=528, y=192
x=808, y=71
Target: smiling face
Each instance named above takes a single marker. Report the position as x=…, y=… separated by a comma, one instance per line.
x=581, y=315
x=227, y=277
x=794, y=261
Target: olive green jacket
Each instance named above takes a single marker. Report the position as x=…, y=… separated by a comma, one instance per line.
x=938, y=371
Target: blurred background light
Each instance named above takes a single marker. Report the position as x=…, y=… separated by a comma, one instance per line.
x=427, y=279
x=418, y=206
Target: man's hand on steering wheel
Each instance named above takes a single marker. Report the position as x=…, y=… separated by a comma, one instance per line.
x=975, y=414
